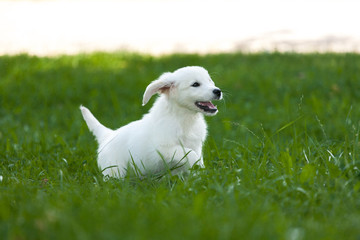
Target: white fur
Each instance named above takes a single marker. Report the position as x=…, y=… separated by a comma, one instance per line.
x=169, y=136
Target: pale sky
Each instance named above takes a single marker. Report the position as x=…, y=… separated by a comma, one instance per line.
x=159, y=26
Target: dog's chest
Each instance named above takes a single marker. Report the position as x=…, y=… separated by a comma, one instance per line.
x=191, y=141
x=193, y=136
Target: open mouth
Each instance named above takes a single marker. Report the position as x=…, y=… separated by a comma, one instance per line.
x=206, y=106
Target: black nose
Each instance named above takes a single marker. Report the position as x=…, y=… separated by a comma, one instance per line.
x=217, y=92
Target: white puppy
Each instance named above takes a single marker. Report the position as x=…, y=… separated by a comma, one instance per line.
x=170, y=136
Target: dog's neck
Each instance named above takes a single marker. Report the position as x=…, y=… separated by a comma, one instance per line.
x=163, y=107
x=186, y=127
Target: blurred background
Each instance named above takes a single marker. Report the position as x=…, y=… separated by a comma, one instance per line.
x=53, y=27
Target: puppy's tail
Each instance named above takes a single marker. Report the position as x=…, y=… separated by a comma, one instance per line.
x=100, y=131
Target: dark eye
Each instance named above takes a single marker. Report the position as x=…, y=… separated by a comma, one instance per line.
x=195, y=84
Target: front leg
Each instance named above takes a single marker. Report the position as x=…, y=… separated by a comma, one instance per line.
x=181, y=159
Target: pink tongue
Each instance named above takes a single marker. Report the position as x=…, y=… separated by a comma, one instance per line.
x=208, y=104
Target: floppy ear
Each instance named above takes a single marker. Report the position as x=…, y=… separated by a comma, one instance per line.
x=162, y=84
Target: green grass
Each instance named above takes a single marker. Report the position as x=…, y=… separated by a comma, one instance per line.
x=282, y=156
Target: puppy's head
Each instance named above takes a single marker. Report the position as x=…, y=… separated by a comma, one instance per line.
x=188, y=87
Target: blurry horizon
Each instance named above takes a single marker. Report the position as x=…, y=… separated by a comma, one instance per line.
x=50, y=27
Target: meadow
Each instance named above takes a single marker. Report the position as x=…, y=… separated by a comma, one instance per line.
x=282, y=156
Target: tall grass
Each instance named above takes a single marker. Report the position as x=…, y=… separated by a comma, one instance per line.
x=282, y=155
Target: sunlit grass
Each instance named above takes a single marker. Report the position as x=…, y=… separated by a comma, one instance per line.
x=282, y=155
